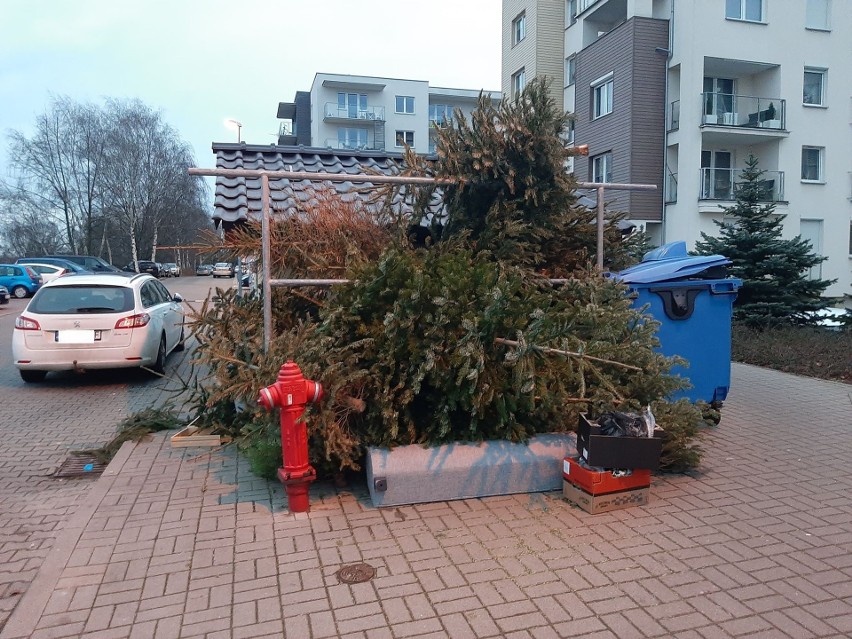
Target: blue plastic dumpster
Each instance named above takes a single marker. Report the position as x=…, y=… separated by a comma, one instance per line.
x=692, y=299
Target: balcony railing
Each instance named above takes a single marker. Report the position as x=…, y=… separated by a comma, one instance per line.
x=351, y=145
x=334, y=110
x=728, y=109
x=674, y=116
x=671, y=188
x=723, y=184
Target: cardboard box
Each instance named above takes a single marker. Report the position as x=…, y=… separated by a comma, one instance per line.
x=594, y=504
x=602, y=482
x=617, y=452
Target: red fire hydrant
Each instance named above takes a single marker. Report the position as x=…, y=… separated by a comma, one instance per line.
x=291, y=392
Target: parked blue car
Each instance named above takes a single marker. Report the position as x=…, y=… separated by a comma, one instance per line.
x=20, y=279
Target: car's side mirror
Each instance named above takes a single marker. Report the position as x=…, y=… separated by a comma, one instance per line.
x=177, y=297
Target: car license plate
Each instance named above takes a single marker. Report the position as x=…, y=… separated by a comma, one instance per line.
x=76, y=336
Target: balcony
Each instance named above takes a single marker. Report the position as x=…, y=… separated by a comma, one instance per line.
x=721, y=184
x=730, y=118
x=335, y=111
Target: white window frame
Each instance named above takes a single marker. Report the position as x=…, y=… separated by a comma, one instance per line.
x=823, y=73
x=602, y=96
x=820, y=179
x=741, y=7
x=519, y=81
x=571, y=11
x=813, y=230
x=519, y=28
x=602, y=167
x=570, y=70
x=404, y=104
x=406, y=135
x=821, y=8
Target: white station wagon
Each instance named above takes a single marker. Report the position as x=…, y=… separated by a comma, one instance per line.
x=104, y=320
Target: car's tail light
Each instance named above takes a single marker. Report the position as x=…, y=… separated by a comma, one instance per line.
x=133, y=321
x=35, y=277
x=24, y=323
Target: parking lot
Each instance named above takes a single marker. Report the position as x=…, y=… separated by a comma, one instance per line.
x=40, y=423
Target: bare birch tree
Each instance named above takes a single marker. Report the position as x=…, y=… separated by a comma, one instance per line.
x=58, y=168
x=145, y=173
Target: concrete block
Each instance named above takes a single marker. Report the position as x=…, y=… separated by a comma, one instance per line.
x=414, y=474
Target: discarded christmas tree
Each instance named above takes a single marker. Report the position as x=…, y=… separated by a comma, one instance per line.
x=777, y=285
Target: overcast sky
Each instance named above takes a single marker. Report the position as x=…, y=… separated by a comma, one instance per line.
x=202, y=61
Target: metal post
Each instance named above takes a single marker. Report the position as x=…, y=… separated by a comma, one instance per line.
x=600, y=260
x=265, y=254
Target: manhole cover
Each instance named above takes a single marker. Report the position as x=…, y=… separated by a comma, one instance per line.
x=80, y=465
x=356, y=573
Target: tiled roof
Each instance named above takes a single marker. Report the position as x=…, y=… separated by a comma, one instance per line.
x=239, y=198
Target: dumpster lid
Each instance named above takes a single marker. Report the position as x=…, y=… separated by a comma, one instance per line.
x=671, y=262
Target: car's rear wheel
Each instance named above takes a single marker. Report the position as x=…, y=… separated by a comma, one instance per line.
x=160, y=365
x=182, y=341
x=20, y=292
x=33, y=377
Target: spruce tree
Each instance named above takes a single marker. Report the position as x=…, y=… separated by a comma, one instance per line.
x=776, y=286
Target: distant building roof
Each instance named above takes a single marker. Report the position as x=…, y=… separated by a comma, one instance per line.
x=239, y=198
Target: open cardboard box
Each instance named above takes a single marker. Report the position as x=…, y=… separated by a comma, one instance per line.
x=607, y=451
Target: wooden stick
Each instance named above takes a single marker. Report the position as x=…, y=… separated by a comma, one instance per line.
x=556, y=351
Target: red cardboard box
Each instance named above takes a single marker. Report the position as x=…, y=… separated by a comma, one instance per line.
x=602, y=482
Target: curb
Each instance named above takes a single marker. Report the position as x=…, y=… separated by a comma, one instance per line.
x=28, y=612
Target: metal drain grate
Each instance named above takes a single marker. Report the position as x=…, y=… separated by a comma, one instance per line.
x=356, y=573
x=80, y=465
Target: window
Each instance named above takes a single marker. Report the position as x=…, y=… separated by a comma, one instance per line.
x=817, y=14
x=751, y=10
x=571, y=11
x=602, y=168
x=602, y=97
x=440, y=113
x=349, y=138
x=570, y=70
x=814, y=87
x=148, y=295
x=351, y=105
x=812, y=164
x=404, y=104
x=811, y=230
x=404, y=138
x=519, y=81
x=571, y=132
x=519, y=28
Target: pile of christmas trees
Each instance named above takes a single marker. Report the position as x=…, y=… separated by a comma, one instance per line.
x=466, y=339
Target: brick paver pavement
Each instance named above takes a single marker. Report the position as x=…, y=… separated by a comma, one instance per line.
x=187, y=544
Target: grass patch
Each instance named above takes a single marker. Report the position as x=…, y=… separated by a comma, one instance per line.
x=810, y=351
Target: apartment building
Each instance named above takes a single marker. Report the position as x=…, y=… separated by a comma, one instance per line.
x=679, y=93
x=371, y=114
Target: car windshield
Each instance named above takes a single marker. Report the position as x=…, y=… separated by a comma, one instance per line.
x=64, y=300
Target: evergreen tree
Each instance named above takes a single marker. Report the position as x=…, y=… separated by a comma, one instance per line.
x=776, y=286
